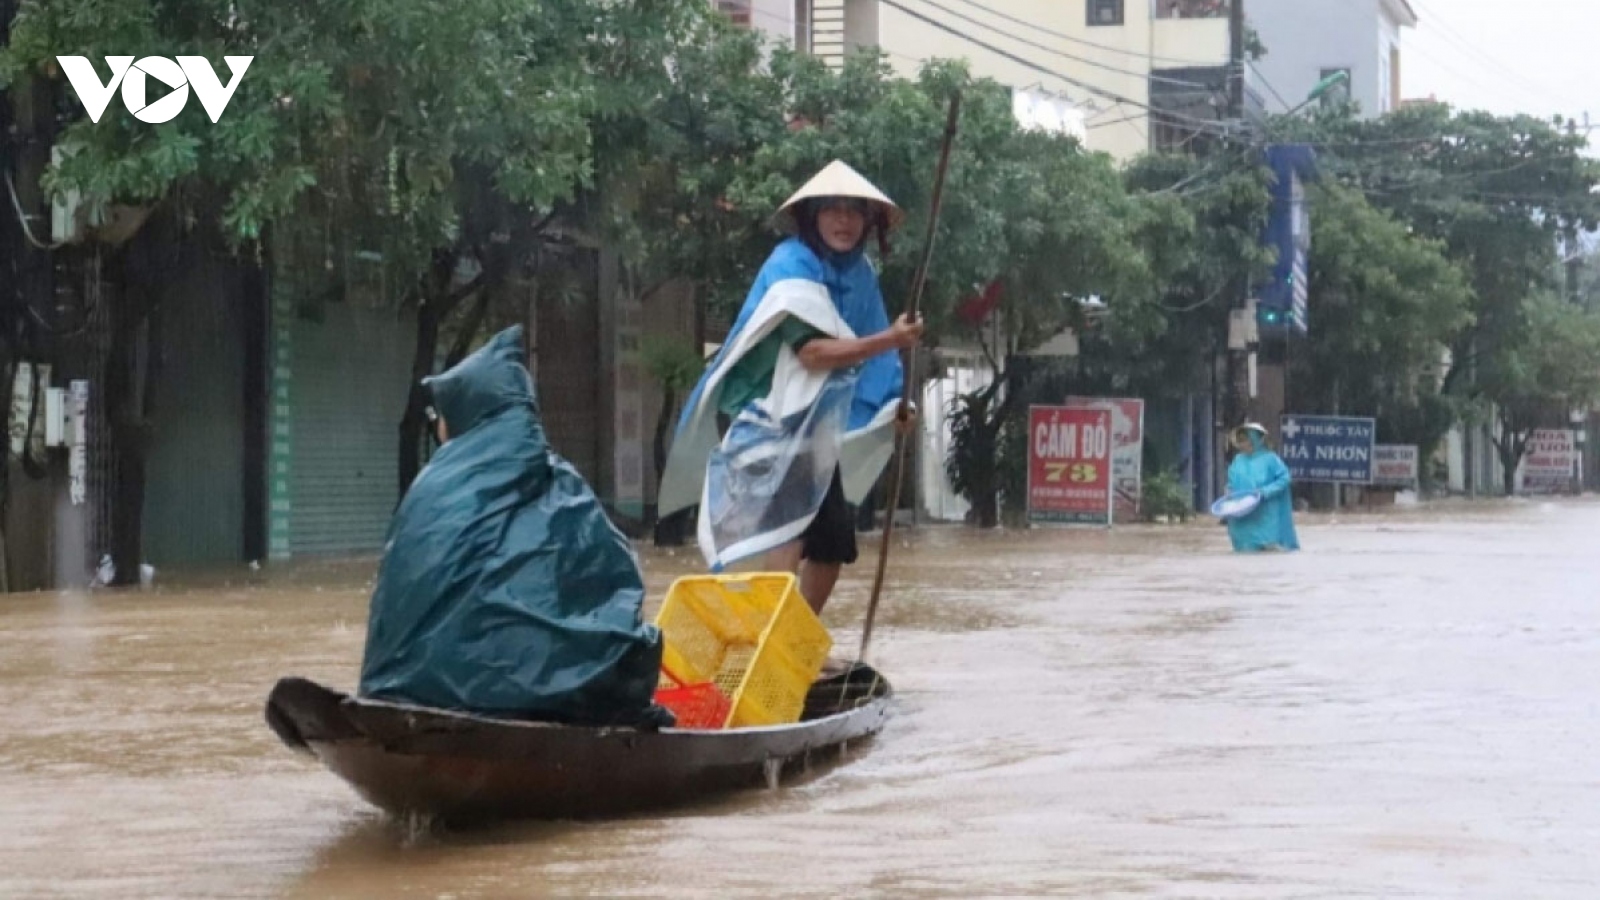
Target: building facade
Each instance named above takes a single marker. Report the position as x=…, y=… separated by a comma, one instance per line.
x=1103, y=69
x=1309, y=40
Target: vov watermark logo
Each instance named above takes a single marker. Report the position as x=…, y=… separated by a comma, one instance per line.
x=133, y=78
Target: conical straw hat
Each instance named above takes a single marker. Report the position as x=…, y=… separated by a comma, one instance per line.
x=839, y=180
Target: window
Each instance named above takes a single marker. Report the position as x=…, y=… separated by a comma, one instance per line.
x=1105, y=12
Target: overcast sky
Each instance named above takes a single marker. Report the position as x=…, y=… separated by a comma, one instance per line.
x=1505, y=56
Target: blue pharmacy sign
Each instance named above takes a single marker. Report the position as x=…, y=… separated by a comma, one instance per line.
x=1329, y=448
x=1281, y=303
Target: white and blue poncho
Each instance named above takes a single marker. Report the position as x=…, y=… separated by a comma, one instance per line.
x=761, y=485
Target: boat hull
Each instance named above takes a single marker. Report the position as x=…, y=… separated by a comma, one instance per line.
x=456, y=766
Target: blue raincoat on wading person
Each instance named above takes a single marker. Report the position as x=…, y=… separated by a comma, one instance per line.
x=504, y=588
x=809, y=381
x=1270, y=526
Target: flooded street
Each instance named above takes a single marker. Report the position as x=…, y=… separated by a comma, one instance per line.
x=1408, y=708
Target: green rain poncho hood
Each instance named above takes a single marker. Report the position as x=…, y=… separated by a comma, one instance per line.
x=504, y=589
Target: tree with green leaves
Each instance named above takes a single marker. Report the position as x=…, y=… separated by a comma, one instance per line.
x=669, y=156
x=1537, y=381
x=1389, y=305
x=1070, y=236
x=1501, y=195
x=448, y=137
x=1199, y=224
x=1034, y=211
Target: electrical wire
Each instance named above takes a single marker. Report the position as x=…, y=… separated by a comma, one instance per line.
x=1450, y=35
x=1212, y=124
x=1051, y=50
x=22, y=220
x=1286, y=104
x=1087, y=43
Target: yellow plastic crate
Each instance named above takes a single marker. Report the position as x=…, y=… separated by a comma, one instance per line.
x=753, y=635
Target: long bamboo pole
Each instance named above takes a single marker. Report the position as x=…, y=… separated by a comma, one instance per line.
x=913, y=308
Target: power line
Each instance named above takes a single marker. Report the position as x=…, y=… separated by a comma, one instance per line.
x=1450, y=35
x=1048, y=49
x=1090, y=88
x=1050, y=72
x=790, y=25
x=1077, y=40
x=1286, y=104
x=1110, y=122
x=1491, y=87
x=1045, y=70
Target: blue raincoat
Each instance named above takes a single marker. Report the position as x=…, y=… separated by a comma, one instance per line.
x=1270, y=525
x=769, y=474
x=504, y=588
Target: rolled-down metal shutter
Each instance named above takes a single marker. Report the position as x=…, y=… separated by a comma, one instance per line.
x=348, y=390
x=194, y=506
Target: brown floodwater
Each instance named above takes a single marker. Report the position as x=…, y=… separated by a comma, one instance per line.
x=1406, y=709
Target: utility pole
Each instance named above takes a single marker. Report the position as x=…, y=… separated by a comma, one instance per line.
x=47, y=554
x=1237, y=361
x=1236, y=60
x=1574, y=258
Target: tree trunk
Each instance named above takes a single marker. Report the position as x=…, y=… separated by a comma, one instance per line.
x=436, y=302
x=1510, y=447
x=469, y=330
x=1509, y=459
x=669, y=531
x=986, y=505
x=669, y=405
x=414, y=423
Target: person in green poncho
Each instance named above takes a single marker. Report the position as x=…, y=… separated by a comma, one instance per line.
x=504, y=588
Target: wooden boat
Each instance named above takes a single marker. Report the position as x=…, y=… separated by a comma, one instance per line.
x=460, y=767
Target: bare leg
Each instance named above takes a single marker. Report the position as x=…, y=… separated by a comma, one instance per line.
x=817, y=581
x=785, y=558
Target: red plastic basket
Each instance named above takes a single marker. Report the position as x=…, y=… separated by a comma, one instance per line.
x=699, y=706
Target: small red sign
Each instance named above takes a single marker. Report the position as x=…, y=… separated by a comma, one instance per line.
x=1069, y=465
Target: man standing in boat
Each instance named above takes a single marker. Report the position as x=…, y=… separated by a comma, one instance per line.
x=810, y=380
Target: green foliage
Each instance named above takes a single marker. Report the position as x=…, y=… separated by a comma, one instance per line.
x=1495, y=197
x=1163, y=498
x=1496, y=191
x=1198, y=223
x=1012, y=466
x=970, y=465
x=1554, y=367
x=437, y=131
x=1534, y=382
x=1389, y=305
x=378, y=106
x=675, y=365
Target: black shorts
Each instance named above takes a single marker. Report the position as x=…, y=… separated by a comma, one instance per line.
x=831, y=537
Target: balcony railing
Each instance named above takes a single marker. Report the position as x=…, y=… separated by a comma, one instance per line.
x=1192, y=9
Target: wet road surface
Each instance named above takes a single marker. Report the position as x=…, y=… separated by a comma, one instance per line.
x=1406, y=709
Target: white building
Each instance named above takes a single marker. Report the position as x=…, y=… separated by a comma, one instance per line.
x=1308, y=40
x=1126, y=76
